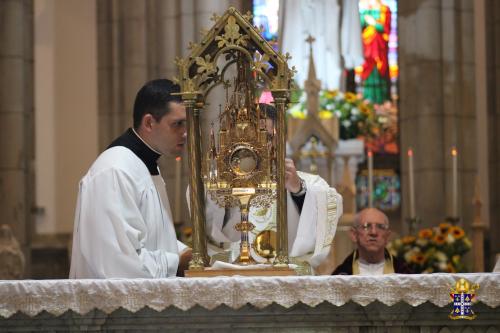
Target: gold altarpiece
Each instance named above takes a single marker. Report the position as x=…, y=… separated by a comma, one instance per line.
x=244, y=167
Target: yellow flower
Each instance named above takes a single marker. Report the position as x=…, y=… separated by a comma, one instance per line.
x=350, y=97
x=331, y=93
x=457, y=232
x=325, y=114
x=297, y=113
x=364, y=108
x=408, y=239
x=455, y=259
x=467, y=242
x=425, y=233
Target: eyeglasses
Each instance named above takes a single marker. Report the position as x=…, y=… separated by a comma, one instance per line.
x=369, y=226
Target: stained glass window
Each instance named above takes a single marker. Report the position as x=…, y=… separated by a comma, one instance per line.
x=265, y=17
x=386, y=190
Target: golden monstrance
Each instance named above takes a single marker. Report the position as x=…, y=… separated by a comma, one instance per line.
x=246, y=167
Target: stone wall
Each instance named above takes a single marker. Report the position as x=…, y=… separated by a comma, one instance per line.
x=16, y=120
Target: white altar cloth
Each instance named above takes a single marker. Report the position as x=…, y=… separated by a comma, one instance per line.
x=81, y=296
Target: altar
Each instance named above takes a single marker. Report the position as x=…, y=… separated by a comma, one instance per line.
x=408, y=303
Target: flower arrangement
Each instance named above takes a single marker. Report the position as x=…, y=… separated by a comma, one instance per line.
x=438, y=249
x=357, y=117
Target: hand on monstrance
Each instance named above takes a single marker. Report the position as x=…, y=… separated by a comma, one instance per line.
x=292, y=180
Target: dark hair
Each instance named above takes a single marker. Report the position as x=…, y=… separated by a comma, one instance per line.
x=268, y=110
x=153, y=98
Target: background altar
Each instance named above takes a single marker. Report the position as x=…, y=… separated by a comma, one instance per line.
x=390, y=303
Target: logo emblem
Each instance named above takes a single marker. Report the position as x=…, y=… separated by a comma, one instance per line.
x=462, y=296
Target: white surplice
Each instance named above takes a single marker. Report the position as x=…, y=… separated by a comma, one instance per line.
x=310, y=234
x=123, y=223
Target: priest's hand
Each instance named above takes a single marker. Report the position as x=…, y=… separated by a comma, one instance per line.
x=184, y=259
x=292, y=180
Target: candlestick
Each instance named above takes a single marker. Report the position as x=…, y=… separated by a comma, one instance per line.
x=411, y=183
x=177, y=189
x=454, y=183
x=370, y=178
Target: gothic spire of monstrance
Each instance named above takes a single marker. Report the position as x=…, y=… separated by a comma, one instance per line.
x=312, y=85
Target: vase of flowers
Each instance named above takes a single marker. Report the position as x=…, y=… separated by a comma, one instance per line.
x=438, y=249
x=357, y=117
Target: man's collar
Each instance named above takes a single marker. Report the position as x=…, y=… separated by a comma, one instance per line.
x=131, y=140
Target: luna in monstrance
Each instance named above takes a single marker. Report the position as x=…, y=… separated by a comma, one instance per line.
x=241, y=210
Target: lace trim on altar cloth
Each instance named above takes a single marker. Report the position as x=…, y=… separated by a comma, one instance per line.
x=81, y=296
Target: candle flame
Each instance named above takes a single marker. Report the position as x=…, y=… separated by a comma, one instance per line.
x=410, y=152
x=370, y=153
x=454, y=151
x=178, y=158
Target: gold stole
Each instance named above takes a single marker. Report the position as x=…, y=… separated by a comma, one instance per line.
x=388, y=265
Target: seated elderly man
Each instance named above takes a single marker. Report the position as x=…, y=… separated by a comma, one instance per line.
x=371, y=233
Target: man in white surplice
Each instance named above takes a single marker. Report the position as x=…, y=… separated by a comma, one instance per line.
x=313, y=211
x=336, y=29
x=123, y=222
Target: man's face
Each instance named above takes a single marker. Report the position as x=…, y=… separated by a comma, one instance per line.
x=169, y=134
x=372, y=234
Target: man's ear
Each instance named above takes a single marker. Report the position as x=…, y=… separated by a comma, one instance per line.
x=147, y=122
x=352, y=234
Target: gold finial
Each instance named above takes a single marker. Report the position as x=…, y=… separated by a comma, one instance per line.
x=215, y=17
x=204, y=31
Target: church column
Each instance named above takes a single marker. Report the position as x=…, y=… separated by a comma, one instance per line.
x=437, y=107
x=16, y=120
x=122, y=63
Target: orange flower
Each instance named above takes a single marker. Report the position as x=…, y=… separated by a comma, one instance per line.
x=418, y=258
x=187, y=231
x=457, y=232
x=408, y=239
x=425, y=233
x=439, y=239
x=444, y=227
x=450, y=268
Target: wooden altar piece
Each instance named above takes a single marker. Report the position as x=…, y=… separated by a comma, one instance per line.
x=325, y=131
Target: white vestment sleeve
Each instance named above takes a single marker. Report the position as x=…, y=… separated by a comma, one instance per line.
x=111, y=232
x=214, y=221
x=318, y=221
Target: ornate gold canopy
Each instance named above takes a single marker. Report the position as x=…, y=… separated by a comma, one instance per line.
x=232, y=40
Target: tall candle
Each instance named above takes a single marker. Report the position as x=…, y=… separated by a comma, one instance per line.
x=177, y=189
x=412, y=184
x=370, y=178
x=454, y=183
